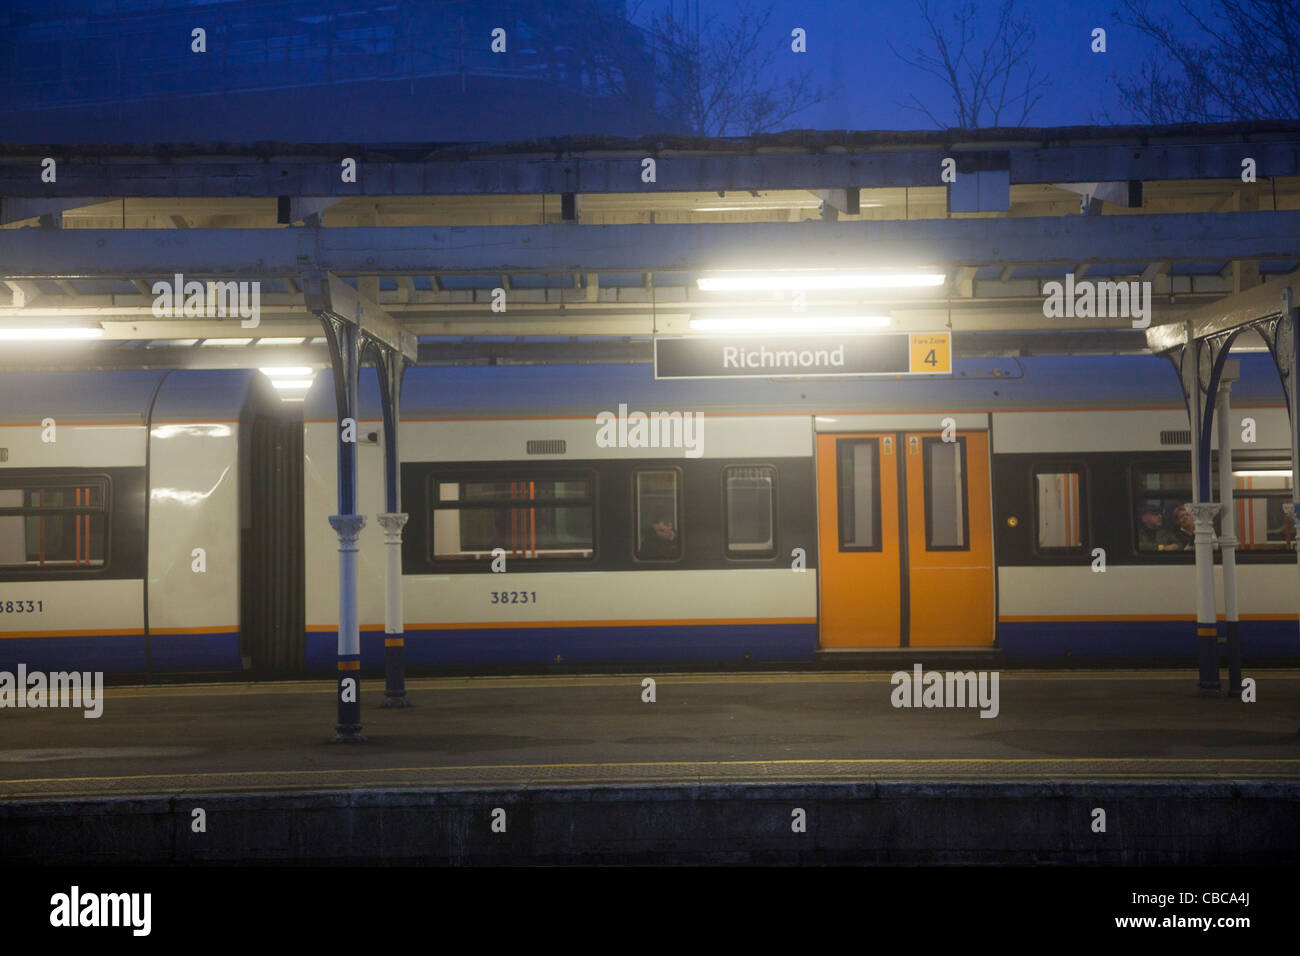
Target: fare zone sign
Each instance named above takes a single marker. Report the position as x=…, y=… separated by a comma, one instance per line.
x=804, y=356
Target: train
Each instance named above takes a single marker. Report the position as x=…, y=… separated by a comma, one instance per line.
x=1025, y=508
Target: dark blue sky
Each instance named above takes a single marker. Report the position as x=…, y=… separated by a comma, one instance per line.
x=848, y=48
x=121, y=70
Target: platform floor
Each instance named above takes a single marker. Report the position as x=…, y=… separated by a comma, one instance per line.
x=551, y=731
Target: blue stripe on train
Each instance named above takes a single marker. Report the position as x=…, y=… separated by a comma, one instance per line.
x=1048, y=641
x=539, y=645
x=117, y=652
x=1095, y=640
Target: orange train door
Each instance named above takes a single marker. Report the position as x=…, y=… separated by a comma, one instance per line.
x=949, y=540
x=857, y=491
x=932, y=586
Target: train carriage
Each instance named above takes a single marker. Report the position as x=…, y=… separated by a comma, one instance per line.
x=821, y=517
x=178, y=521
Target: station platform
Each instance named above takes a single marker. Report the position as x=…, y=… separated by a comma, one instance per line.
x=711, y=771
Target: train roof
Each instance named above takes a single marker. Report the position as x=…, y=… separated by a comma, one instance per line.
x=993, y=384
x=28, y=397
x=119, y=397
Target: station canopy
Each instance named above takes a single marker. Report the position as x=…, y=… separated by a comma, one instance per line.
x=584, y=250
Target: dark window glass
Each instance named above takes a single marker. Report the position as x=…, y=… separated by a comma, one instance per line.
x=945, y=495
x=1161, y=522
x=51, y=525
x=1260, y=488
x=658, y=515
x=858, y=462
x=529, y=518
x=750, y=510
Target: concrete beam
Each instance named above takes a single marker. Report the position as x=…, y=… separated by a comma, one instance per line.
x=618, y=169
x=965, y=281
x=254, y=253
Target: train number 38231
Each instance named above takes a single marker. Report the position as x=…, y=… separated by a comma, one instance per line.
x=514, y=597
x=22, y=607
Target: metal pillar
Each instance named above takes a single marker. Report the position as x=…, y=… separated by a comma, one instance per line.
x=1228, y=527
x=391, y=366
x=345, y=353
x=1200, y=412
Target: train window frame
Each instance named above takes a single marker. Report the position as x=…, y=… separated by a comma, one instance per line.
x=927, y=443
x=751, y=557
x=1064, y=466
x=1162, y=463
x=840, y=445
x=1279, y=460
x=433, y=502
x=677, y=518
x=61, y=478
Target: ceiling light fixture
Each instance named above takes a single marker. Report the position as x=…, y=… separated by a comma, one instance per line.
x=779, y=281
x=800, y=322
x=50, y=334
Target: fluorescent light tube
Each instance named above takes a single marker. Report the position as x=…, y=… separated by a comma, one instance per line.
x=778, y=281
x=798, y=322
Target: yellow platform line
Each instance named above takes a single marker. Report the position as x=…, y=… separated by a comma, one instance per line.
x=703, y=764
x=328, y=685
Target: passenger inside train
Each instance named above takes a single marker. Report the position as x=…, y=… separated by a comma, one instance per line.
x=659, y=541
x=1184, y=530
x=1152, y=533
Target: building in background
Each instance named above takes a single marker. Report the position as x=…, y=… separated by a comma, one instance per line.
x=327, y=71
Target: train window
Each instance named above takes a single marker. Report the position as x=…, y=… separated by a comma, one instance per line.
x=1260, y=488
x=858, y=467
x=1161, y=493
x=750, y=506
x=658, y=515
x=1161, y=522
x=1058, y=500
x=530, y=518
x=54, y=524
x=945, y=495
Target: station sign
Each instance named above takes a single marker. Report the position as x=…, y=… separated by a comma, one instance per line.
x=803, y=356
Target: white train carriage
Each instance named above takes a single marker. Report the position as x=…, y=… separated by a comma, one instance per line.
x=818, y=516
x=128, y=520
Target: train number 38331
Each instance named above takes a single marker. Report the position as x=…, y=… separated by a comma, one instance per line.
x=514, y=597
x=22, y=607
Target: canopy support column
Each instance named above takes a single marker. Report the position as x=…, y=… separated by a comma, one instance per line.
x=391, y=366
x=344, y=340
x=1228, y=527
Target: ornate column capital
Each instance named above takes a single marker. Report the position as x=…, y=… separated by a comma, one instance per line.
x=1203, y=513
x=392, y=522
x=348, y=528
